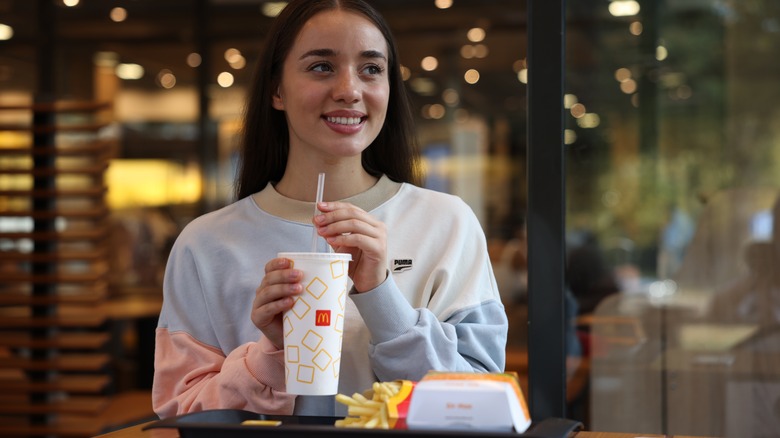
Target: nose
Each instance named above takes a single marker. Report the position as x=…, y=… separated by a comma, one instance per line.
x=347, y=87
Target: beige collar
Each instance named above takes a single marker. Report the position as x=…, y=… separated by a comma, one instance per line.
x=274, y=203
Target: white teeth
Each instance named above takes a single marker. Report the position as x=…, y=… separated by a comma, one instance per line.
x=344, y=120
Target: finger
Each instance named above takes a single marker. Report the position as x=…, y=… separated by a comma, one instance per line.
x=275, y=292
x=366, y=243
x=340, y=211
x=277, y=263
x=350, y=226
x=264, y=314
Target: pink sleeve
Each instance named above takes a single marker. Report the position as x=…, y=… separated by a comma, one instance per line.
x=190, y=376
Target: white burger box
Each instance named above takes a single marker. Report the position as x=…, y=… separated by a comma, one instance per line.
x=478, y=401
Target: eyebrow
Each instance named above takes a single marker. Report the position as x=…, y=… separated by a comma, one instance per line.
x=369, y=54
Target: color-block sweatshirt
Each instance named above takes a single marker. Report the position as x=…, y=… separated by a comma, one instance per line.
x=438, y=309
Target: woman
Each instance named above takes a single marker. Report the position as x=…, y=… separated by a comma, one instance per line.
x=328, y=98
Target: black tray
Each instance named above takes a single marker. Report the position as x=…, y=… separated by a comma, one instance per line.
x=227, y=423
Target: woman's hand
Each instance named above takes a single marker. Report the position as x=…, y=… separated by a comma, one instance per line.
x=275, y=295
x=349, y=229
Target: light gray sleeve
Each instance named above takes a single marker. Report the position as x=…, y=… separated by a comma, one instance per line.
x=406, y=342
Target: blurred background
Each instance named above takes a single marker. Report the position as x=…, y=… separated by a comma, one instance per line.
x=119, y=123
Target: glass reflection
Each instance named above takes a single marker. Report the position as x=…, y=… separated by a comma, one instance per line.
x=677, y=189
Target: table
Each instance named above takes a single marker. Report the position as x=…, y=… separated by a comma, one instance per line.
x=136, y=432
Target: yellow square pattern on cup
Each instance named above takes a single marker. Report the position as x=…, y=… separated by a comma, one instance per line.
x=288, y=327
x=312, y=340
x=316, y=287
x=337, y=268
x=301, y=308
x=342, y=299
x=336, y=367
x=322, y=359
x=293, y=354
x=305, y=374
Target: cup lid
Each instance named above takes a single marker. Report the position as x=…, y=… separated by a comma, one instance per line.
x=316, y=255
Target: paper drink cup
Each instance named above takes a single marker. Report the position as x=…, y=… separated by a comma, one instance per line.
x=313, y=328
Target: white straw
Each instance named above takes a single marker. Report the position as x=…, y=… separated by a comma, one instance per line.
x=320, y=189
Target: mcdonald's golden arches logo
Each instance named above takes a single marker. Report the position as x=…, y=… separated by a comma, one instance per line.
x=322, y=318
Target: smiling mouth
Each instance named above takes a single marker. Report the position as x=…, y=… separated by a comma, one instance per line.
x=345, y=120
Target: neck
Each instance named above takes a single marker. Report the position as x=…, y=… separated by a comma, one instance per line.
x=341, y=181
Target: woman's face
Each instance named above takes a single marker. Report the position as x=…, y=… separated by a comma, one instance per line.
x=334, y=88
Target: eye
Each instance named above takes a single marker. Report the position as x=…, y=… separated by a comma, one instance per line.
x=373, y=70
x=321, y=67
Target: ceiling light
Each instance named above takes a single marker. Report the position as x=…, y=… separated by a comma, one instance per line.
x=194, y=59
x=624, y=8
x=661, y=53
x=6, y=32
x=481, y=51
x=272, y=9
x=577, y=110
x=471, y=76
x=130, y=72
x=225, y=79
x=569, y=100
x=423, y=86
x=429, y=63
x=476, y=34
x=406, y=73
x=118, y=14
x=166, y=78
x=522, y=76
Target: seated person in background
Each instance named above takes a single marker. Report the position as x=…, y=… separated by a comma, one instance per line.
x=755, y=298
x=587, y=273
x=511, y=267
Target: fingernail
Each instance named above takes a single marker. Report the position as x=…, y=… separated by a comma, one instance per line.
x=323, y=205
x=319, y=218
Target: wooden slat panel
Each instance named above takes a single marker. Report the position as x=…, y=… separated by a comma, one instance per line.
x=48, y=129
x=78, y=384
x=60, y=107
x=63, y=277
x=65, y=362
x=20, y=404
x=121, y=409
x=90, y=296
x=96, y=169
x=86, y=340
x=92, y=148
x=92, y=254
x=76, y=331
x=87, y=321
x=82, y=213
x=96, y=233
x=89, y=192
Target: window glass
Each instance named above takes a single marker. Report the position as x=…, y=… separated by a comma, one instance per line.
x=673, y=192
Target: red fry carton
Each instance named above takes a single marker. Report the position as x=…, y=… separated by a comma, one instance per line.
x=398, y=405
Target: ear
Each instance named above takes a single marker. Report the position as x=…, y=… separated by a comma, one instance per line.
x=277, y=101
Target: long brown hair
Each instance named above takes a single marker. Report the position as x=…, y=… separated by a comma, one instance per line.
x=265, y=143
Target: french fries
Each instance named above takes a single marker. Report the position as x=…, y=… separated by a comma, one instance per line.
x=370, y=410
